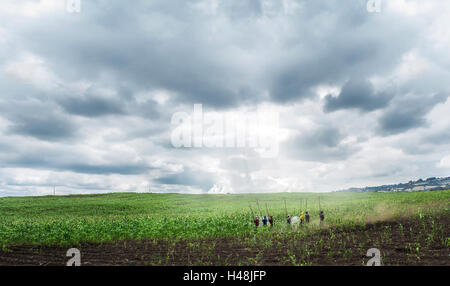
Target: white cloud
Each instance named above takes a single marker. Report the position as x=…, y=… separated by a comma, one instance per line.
x=32, y=69
x=412, y=66
x=32, y=8
x=445, y=162
x=411, y=8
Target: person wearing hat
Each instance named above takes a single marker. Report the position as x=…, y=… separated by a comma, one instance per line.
x=288, y=219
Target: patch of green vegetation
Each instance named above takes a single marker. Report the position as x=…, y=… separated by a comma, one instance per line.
x=70, y=220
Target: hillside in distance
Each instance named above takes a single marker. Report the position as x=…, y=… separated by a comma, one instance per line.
x=430, y=184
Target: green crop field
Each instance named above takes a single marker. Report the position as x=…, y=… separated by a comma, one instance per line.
x=69, y=221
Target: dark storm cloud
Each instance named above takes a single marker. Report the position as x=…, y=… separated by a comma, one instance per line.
x=48, y=127
x=333, y=42
x=322, y=144
x=237, y=54
x=149, y=45
x=357, y=94
x=402, y=119
x=324, y=136
x=53, y=161
x=329, y=65
x=123, y=169
x=408, y=113
x=38, y=119
x=123, y=103
x=189, y=177
x=91, y=106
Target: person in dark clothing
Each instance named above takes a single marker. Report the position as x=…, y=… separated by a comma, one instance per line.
x=322, y=216
x=271, y=221
x=256, y=221
x=307, y=217
x=288, y=219
x=264, y=221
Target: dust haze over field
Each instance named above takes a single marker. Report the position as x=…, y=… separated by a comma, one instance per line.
x=87, y=98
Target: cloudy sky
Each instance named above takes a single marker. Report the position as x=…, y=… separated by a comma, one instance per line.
x=87, y=99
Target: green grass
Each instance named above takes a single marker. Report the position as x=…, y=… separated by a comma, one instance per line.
x=70, y=220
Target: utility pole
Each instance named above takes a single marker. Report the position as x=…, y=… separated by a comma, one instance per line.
x=54, y=190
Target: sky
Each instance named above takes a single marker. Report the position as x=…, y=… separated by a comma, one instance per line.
x=89, y=94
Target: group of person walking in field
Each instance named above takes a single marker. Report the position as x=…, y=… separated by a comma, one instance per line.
x=304, y=217
x=265, y=221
